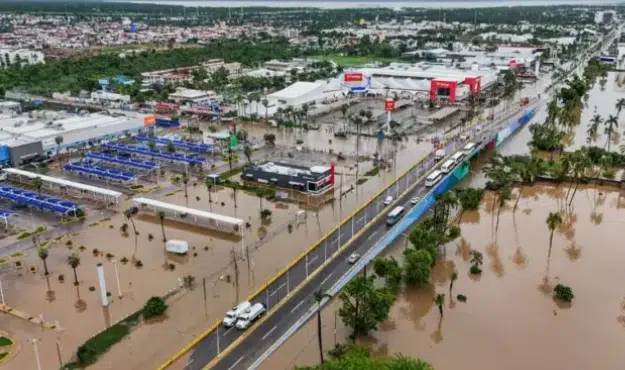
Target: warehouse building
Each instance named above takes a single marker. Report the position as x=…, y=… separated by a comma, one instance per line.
x=315, y=179
x=24, y=137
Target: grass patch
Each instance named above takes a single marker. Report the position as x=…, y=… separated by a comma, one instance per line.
x=353, y=60
x=4, y=341
x=138, y=186
x=18, y=254
x=93, y=224
x=361, y=181
x=24, y=235
x=58, y=238
x=372, y=172
x=3, y=355
x=228, y=174
x=170, y=194
x=89, y=352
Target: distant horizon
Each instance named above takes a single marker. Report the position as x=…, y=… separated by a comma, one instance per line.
x=342, y=4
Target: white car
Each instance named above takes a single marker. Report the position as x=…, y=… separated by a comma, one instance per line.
x=353, y=258
x=415, y=200
x=388, y=200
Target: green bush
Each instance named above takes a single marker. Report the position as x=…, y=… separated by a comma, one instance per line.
x=154, y=307
x=563, y=293
x=475, y=270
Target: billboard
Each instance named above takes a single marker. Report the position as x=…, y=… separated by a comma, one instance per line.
x=352, y=77
x=149, y=120
x=389, y=105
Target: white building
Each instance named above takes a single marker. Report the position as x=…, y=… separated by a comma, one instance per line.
x=183, y=95
x=105, y=96
x=76, y=130
x=213, y=65
x=11, y=56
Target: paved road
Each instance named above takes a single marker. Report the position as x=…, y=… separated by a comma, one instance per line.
x=274, y=326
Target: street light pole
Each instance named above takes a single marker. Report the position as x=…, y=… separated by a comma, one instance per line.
x=119, y=289
x=2, y=293
x=36, y=353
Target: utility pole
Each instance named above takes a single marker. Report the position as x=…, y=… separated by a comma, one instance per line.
x=236, y=272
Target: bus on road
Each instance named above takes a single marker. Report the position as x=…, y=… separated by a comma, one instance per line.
x=468, y=148
x=395, y=215
x=433, y=178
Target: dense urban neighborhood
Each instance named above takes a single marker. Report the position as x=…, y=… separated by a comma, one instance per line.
x=187, y=186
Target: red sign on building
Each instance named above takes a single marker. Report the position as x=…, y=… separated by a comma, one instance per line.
x=352, y=77
x=389, y=105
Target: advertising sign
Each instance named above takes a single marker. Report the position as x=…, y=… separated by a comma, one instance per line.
x=149, y=120
x=389, y=105
x=352, y=77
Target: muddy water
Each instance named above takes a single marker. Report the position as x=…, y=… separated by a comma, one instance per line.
x=79, y=311
x=510, y=319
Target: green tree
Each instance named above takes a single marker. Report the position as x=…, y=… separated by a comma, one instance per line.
x=477, y=259
x=161, y=219
x=319, y=295
x=452, y=279
x=129, y=213
x=593, y=129
x=553, y=221
x=248, y=153
x=154, y=307
x=611, y=124
x=185, y=183
x=59, y=141
x=270, y=139
x=417, y=266
x=620, y=104
x=353, y=357
x=363, y=305
x=209, y=186
x=171, y=147
x=439, y=300
x=503, y=194
x=390, y=270
x=344, y=108
x=235, y=187
x=38, y=184
x=43, y=254
x=265, y=103
x=469, y=199
x=74, y=262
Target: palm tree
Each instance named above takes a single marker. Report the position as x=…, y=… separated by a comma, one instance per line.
x=304, y=111
x=38, y=184
x=503, y=194
x=581, y=164
x=477, y=258
x=610, y=125
x=318, y=296
x=344, y=108
x=43, y=254
x=439, y=300
x=527, y=174
x=452, y=279
x=260, y=200
x=265, y=103
x=620, y=104
x=235, y=186
x=248, y=153
x=553, y=221
x=161, y=218
x=209, y=185
x=171, y=147
x=74, y=262
x=593, y=128
x=59, y=141
x=151, y=146
x=469, y=199
x=129, y=214
x=185, y=182
x=257, y=99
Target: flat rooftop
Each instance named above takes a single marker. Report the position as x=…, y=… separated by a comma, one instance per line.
x=291, y=170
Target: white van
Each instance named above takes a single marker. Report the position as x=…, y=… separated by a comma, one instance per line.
x=457, y=158
x=250, y=315
x=448, y=166
x=440, y=154
x=388, y=200
x=233, y=315
x=433, y=178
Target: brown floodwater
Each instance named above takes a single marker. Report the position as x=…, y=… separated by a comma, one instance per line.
x=510, y=319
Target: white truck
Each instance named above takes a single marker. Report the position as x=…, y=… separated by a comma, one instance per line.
x=250, y=315
x=235, y=313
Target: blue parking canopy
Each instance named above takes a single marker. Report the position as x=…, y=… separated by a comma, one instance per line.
x=178, y=157
x=29, y=198
x=195, y=147
x=130, y=162
x=90, y=168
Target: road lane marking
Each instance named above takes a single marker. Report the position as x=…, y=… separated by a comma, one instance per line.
x=372, y=235
x=278, y=289
x=228, y=331
x=270, y=331
x=297, y=306
x=327, y=277
x=236, y=363
x=313, y=259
